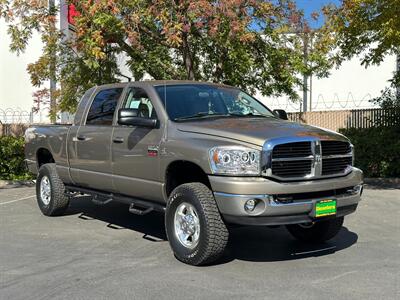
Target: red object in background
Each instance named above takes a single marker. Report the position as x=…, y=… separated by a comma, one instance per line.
x=72, y=13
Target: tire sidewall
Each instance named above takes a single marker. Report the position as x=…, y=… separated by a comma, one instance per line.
x=177, y=197
x=46, y=209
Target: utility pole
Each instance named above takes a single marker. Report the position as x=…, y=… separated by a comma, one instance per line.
x=53, y=82
x=305, y=76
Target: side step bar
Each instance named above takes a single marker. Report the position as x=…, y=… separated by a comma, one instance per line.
x=136, y=206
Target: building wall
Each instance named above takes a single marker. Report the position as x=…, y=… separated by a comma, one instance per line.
x=15, y=86
x=351, y=86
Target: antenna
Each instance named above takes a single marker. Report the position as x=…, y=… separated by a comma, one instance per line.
x=165, y=95
x=125, y=76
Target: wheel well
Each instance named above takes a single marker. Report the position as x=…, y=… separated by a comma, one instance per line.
x=44, y=157
x=180, y=172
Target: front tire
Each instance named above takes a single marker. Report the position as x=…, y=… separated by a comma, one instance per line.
x=195, y=230
x=50, y=191
x=316, y=232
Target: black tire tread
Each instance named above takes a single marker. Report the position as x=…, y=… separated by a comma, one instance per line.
x=217, y=233
x=59, y=201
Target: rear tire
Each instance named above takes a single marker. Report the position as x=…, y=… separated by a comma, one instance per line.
x=317, y=232
x=50, y=191
x=195, y=230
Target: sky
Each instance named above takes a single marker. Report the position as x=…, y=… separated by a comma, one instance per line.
x=310, y=6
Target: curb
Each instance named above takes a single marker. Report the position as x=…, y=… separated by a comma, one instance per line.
x=9, y=184
x=393, y=183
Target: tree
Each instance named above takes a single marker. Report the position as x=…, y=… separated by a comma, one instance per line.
x=369, y=28
x=252, y=44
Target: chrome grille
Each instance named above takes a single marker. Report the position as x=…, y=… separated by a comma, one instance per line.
x=292, y=168
x=335, y=147
x=300, y=158
x=301, y=149
x=336, y=165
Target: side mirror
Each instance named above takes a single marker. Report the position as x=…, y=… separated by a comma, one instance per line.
x=129, y=116
x=281, y=114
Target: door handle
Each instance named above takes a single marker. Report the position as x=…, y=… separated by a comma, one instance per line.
x=118, y=140
x=81, y=138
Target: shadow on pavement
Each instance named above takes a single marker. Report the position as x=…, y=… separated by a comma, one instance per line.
x=258, y=244
x=117, y=217
x=276, y=244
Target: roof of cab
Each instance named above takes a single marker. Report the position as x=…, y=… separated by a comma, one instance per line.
x=160, y=82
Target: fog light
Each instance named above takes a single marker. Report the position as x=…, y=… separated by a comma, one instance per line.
x=250, y=205
x=356, y=190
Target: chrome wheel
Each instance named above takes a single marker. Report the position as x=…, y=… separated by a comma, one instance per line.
x=187, y=225
x=45, y=190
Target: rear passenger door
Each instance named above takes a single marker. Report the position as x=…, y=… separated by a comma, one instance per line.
x=92, y=165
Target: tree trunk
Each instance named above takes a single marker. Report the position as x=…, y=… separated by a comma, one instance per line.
x=398, y=74
x=187, y=58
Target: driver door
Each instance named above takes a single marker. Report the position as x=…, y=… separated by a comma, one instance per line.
x=135, y=157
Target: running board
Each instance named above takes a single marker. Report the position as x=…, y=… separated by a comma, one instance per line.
x=96, y=199
x=136, y=206
x=139, y=211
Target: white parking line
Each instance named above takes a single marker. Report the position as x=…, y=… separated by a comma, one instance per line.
x=314, y=251
x=2, y=203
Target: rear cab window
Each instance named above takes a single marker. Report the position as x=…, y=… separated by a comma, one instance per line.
x=102, y=109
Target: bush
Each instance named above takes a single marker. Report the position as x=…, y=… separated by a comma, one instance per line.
x=12, y=156
x=377, y=150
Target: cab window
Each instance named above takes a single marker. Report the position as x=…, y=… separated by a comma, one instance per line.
x=102, y=110
x=137, y=98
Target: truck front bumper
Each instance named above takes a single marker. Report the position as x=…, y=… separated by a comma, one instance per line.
x=279, y=203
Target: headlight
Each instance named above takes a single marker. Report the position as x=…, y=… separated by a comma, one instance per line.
x=235, y=160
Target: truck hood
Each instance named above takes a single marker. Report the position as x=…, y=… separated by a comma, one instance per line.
x=256, y=130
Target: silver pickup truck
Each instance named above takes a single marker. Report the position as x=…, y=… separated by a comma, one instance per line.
x=205, y=155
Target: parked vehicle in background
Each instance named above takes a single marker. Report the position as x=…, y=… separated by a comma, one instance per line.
x=206, y=155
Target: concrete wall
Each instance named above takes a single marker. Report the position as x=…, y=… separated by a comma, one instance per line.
x=15, y=86
x=351, y=86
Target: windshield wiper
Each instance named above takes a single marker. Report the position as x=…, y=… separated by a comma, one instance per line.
x=250, y=115
x=201, y=115
x=210, y=115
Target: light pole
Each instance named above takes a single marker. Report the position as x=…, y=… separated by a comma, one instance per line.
x=52, y=67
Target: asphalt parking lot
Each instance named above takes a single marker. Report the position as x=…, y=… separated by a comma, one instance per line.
x=104, y=252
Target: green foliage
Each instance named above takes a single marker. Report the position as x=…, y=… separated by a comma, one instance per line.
x=369, y=28
x=254, y=45
x=389, y=100
x=377, y=150
x=12, y=156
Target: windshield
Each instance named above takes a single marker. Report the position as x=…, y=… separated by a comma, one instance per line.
x=192, y=101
